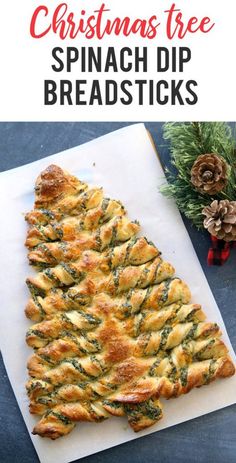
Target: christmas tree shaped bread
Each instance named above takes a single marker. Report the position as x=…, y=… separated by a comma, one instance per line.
x=114, y=329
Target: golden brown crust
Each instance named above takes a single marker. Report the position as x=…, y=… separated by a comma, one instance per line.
x=51, y=183
x=114, y=330
x=51, y=426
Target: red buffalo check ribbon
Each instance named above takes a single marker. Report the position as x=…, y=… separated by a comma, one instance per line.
x=219, y=253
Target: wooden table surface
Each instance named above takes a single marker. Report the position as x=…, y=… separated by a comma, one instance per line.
x=208, y=439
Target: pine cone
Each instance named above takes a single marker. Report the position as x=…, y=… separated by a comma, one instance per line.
x=220, y=219
x=209, y=174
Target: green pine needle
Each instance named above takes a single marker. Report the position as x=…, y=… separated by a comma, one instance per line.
x=187, y=142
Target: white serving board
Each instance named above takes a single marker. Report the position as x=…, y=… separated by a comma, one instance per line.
x=125, y=164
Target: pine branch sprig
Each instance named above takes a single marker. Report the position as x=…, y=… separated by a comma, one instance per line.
x=187, y=142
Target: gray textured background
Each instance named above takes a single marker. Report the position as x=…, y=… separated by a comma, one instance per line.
x=208, y=439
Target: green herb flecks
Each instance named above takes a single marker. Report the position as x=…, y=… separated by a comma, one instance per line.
x=34, y=290
x=79, y=367
x=200, y=354
x=191, y=334
x=164, y=336
x=37, y=333
x=165, y=292
x=184, y=376
x=209, y=375
x=112, y=404
x=152, y=371
x=116, y=276
x=61, y=417
x=105, y=204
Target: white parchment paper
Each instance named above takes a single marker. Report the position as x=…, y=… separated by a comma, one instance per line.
x=125, y=164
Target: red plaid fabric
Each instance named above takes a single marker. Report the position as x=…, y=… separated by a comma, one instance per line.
x=219, y=253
